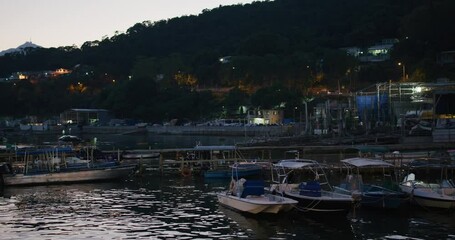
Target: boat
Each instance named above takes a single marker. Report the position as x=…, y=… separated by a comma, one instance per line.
x=140, y=154
x=69, y=139
x=213, y=162
x=433, y=194
x=56, y=165
x=244, y=169
x=203, y=158
x=425, y=194
x=313, y=192
x=66, y=176
x=248, y=196
x=223, y=161
x=382, y=193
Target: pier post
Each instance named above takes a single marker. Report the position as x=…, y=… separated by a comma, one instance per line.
x=161, y=163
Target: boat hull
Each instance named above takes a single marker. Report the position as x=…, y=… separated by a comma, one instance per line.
x=434, y=203
x=133, y=155
x=383, y=200
x=82, y=175
x=428, y=197
x=256, y=204
x=328, y=202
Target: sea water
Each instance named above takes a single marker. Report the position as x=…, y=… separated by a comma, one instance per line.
x=151, y=206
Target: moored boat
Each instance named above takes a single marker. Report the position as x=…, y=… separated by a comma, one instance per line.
x=383, y=193
x=213, y=161
x=314, y=193
x=252, y=199
x=140, y=154
x=66, y=176
x=243, y=169
x=69, y=139
x=58, y=165
x=248, y=196
x=430, y=194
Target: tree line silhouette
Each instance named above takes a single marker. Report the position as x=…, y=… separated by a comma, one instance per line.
x=273, y=52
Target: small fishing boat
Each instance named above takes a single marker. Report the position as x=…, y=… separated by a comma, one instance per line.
x=243, y=169
x=434, y=194
x=140, y=154
x=214, y=162
x=57, y=165
x=248, y=196
x=382, y=193
x=66, y=176
x=313, y=192
x=69, y=139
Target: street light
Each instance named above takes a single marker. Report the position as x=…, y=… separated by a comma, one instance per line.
x=404, y=70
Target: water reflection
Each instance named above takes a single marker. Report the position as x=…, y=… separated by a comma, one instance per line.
x=371, y=223
x=167, y=209
x=163, y=207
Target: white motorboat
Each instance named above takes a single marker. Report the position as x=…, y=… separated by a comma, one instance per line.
x=425, y=194
x=248, y=196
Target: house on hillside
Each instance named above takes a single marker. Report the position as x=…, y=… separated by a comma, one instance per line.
x=265, y=117
x=85, y=116
x=377, y=53
x=446, y=58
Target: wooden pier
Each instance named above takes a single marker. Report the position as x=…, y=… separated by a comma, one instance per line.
x=174, y=160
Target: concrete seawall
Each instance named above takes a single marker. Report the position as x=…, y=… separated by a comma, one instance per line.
x=223, y=130
x=250, y=131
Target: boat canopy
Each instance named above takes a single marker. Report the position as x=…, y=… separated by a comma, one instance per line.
x=295, y=163
x=366, y=162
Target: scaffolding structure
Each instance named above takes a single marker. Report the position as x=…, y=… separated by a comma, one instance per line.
x=390, y=101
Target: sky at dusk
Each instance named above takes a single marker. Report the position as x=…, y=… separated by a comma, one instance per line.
x=55, y=23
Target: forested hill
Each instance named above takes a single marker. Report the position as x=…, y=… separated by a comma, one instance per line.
x=295, y=43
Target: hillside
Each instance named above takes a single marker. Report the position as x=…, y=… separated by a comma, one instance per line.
x=293, y=43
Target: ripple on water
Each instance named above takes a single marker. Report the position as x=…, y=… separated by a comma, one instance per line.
x=180, y=209
x=110, y=213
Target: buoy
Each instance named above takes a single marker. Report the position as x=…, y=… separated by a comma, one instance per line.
x=186, y=171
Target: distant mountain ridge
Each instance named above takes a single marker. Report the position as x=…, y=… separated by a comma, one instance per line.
x=20, y=48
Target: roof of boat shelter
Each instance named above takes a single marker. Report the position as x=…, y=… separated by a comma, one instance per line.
x=295, y=163
x=366, y=162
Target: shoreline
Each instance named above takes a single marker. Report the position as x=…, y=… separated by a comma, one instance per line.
x=260, y=137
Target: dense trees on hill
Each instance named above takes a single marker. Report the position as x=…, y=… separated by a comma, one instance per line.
x=275, y=52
